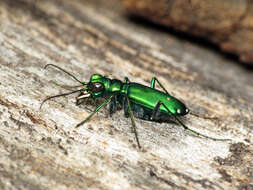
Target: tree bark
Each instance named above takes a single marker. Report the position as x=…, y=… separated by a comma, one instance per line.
x=42, y=149
x=225, y=23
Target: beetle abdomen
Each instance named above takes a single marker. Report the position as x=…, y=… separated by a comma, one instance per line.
x=149, y=97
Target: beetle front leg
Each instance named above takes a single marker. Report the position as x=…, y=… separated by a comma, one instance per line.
x=95, y=111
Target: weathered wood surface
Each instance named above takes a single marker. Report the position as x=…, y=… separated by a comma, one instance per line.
x=229, y=24
x=41, y=149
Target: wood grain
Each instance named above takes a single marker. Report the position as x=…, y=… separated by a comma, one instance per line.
x=41, y=149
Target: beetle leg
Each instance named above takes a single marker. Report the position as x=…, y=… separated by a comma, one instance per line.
x=96, y=110
x=133, y=122
x=155, y=111
x=152, y=84
x=189, y=129
x=113, y=105
x=204, y=117
x=125, y=107
x=126, y=80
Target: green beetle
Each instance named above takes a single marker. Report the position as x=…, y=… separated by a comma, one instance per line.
x=137, y=100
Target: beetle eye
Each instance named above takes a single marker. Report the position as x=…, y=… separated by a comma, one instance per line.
x=96, y=87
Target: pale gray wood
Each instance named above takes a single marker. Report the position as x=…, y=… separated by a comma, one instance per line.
x=41, y=149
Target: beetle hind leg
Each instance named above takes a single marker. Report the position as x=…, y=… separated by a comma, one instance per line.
x=155, y=117
x=152, y=84
x=158, y=116
x=155, y=111
x=95, y=111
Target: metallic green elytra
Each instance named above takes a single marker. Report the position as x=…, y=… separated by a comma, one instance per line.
x=137, y=100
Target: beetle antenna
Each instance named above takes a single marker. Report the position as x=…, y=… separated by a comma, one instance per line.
x=59, y=95
x=83, y=83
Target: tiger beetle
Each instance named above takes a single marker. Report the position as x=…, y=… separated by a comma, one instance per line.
x=147, y=103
